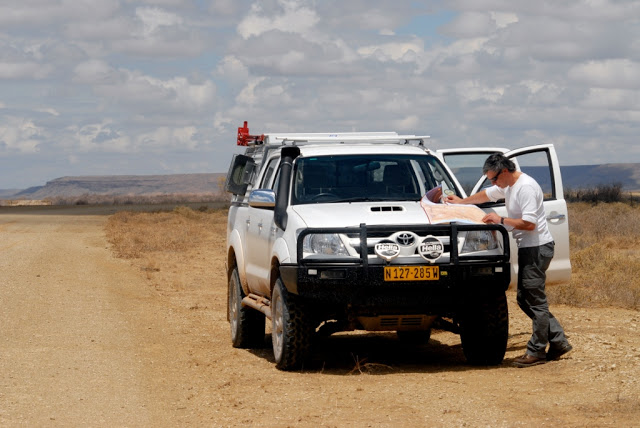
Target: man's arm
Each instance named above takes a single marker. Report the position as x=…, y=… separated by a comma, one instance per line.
x=481, y=197
x=478, y=198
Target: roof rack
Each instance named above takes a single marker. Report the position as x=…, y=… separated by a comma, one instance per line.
x=244, y=138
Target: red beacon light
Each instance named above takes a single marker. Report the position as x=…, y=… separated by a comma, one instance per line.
x=244, y=138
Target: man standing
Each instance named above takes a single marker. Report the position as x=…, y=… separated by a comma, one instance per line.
x=526, y=220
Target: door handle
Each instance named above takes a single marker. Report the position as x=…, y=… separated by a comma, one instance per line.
x=557, y=217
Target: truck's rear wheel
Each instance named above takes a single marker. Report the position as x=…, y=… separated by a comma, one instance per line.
x=247, y=325
x=291, y=331
x=484, y=330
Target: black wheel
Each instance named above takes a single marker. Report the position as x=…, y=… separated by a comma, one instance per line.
x=291, y=331
x=484, y=330
x=420, y=337
x=247, y=325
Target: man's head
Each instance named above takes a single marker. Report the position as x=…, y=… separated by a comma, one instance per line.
x=495, y=165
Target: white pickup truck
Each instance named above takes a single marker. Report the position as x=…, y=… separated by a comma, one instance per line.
x=327, y=232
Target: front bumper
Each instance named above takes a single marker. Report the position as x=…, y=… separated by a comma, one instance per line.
x=359, y=287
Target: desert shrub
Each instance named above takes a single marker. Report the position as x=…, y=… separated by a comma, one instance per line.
x=604, y=193
x=136, y=234
x=605, y=256
x=147, y=199
x=616, y=224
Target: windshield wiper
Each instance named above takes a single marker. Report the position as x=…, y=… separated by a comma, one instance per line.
x=374, y=199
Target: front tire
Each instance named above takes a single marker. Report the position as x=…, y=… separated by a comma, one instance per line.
x=291, y=331
x=484, y=330
x=247, y=325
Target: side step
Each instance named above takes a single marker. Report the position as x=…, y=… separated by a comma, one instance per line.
x=258, y=303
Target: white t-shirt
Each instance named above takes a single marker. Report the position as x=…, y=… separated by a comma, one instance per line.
x=524, y=200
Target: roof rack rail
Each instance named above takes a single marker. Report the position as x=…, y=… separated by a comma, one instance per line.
x=244, y=138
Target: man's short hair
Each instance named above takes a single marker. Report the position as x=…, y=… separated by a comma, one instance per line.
x=497, y=162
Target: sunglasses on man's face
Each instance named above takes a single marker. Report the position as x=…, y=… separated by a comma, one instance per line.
x=495, y=177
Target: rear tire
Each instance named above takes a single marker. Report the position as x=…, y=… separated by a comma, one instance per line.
x=484, y=330
x=247, y=325
x=291, y=331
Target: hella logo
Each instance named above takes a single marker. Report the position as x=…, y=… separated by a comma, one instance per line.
x=387, y=250
x=431, y=248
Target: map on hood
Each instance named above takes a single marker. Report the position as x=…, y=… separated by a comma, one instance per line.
x=447, y=213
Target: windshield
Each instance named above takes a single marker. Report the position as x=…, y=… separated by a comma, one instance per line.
x=376, y=177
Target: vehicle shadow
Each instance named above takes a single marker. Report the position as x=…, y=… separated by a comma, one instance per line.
x=381, y=353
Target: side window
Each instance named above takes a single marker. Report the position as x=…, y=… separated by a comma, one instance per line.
x=538, y=165
x=267, y=182
x=438, y=176
x=467, y=167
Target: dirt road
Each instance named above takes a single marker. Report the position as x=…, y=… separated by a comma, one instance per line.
x=90, y=340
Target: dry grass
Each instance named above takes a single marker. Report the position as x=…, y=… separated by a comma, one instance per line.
x=605, y=249
x=138, y=234
x=175, y=250
x=605, y=257
x=146, y=199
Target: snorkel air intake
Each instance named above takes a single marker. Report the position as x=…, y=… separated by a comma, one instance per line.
x=289, y=153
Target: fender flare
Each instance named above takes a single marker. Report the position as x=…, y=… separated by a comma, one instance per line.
x=235, y=244
x=279, y=254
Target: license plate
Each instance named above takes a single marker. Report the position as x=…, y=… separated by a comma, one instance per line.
x=411, y=273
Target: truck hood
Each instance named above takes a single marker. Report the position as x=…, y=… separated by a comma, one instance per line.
x=355, y=213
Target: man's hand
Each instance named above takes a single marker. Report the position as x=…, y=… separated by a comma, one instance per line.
x=477, y=198
x=453, y=199
x=491, y=218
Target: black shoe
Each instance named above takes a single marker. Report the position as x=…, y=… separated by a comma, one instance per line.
x=554, y=354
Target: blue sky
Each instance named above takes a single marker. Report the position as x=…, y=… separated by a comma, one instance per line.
x=101, y=87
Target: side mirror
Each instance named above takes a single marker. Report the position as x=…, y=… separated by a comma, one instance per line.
x=262, y=198
x=239, y=175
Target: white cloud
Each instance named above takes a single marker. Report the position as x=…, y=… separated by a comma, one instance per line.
x=154, y=18
x=472, y=90
x=503, y=19
x=20, y=135
x=408, y=123
x=611, y=73
x=48, y=110
x=293, y=18
x=232, y=69
x=24, y=70
x=471, y=24
x=613, y=99
x=132, y=88
x=132, y=82
x=401, y=51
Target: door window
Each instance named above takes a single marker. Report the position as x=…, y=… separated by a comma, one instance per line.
x=538, y=165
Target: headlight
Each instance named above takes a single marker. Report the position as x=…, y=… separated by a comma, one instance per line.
x=479, y=240
x=328, y=244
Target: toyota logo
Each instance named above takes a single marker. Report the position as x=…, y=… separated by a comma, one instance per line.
x=405, y=239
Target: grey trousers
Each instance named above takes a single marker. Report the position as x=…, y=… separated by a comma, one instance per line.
x=532, y=299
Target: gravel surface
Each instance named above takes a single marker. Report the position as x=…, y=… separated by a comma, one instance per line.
x=87, y=339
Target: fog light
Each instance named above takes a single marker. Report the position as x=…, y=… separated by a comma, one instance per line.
x=483, y=271
x=333, y=274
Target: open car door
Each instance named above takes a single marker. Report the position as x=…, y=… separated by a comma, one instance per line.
x=541, y=163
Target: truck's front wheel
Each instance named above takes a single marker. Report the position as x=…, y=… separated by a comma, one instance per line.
x=291, y=331
x=247, y=325
x=484, y=329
